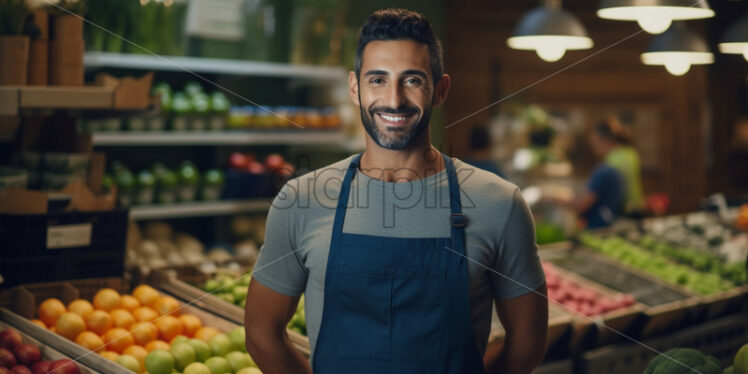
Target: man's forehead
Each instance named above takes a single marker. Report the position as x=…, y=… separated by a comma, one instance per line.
x=396, y=56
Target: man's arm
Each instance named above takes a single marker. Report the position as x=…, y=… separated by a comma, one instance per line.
x=265, y=318
x=525, y=319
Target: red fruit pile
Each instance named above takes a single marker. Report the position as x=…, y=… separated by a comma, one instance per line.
x=274, y=163
x=581, y=299
x=19, y=358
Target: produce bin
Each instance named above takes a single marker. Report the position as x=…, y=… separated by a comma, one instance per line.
x=666, y=307
x=559, y=332
x=180, y=282
x=8, y=320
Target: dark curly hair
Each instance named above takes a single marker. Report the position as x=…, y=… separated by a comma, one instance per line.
x=400, y=24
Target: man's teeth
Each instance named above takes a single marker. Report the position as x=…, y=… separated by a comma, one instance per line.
x=393, y=118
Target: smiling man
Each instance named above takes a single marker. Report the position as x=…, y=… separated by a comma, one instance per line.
x=402, y=252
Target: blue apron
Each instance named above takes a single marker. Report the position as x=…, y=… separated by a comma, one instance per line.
x=397, y=305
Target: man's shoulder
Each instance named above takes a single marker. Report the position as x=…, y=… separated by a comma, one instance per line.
x=472, y=178
x=315, y=188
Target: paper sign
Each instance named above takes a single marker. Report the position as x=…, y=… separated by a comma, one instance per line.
x=216, y=19
x=69, y=236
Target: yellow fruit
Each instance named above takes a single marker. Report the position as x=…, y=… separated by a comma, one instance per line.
x=168, y=328
x=147, y=295
x=138, y=352
x=109, y=355
x=117, y=339
x=205, y=333
x=144, y=332
x=90, y=341
x=122, y=318
x=145, y=314
x=39, y=323
x=99, y=321
x=80, y=307
x=167, y=305
x=156, y=345
x=50, y=310
x=107, y=299
x=190, y=323
x=129, y=302
x=70, y=325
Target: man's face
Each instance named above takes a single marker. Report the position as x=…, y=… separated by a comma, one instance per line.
x=396, y=92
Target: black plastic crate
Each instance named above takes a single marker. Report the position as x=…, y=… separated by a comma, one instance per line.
x=25, y=256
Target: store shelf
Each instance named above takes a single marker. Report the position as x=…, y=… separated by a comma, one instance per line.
x=198, y=209
x=211, y=65
x=61, y=97
x=173, y=138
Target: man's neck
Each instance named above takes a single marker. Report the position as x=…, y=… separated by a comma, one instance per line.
x=418, y=161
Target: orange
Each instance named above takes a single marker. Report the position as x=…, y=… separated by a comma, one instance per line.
x=109, y=355
x=99, y=321
x=50, y=310
x=80, y=307
x=144, y=332
x=106, y=299
x=167, y=305
x=129, y=302
x=144, y=314
x=157, y=344
x=53, y=329
x=39, y=322
x=138, y=352
x=90, y=341
x=70, y=325
x=122, y=318
x=190, y=323
x=147, y=295
x=117, y=339
x=169, y=327
x=205, y=333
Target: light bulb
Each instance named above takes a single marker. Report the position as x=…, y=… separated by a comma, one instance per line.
x=678, y=66
x=654, y=24
x=551, y=53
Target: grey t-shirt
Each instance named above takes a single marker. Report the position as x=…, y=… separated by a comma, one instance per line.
x=500, y=233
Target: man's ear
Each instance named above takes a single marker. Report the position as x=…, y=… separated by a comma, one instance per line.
x=441, y=90
x=353, y=87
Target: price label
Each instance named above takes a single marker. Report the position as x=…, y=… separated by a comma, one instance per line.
x=216, y=19
x=69, y=236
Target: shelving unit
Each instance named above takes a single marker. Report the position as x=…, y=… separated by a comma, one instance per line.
x=15, y=98
x=212, y=66
x=198, y=209
x=219, y=138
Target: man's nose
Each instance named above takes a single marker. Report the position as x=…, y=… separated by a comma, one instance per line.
x=395, y=97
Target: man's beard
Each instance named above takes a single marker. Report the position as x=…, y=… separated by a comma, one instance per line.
x=384, y=141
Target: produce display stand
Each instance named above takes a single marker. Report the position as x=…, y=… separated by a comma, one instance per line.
x=8, y=320
x=720, y=338
x=666, y=307
x=559, y=331
x=180, y=281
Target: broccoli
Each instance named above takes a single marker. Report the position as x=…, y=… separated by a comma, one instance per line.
x=681, y=361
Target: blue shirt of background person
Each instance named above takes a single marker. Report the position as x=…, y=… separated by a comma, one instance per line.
x=607, y=185
x=480, y=151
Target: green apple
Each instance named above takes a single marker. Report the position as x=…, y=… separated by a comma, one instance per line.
x=179, y=339
x=197, y=368
x=226, y=296
x=218, y=365
x=183, y=354
x=202, y=349
x=129, y=362
x=211, y=285
x=249, y=370
x=159, y=362
x=240, y=293
x=220, y=344
x=238, y=360
x=740, y=364
x=237, y=337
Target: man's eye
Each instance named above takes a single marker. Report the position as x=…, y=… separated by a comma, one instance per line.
x=413, y=81
x=376, y=81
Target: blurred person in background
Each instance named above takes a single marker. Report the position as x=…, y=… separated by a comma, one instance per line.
x=480, y=151
x=625, y=159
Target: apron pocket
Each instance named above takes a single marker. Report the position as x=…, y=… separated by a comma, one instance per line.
x=362, y=321
x=418, y=313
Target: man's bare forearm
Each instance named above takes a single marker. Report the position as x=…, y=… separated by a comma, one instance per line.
x=511, y=356
x=275, y=354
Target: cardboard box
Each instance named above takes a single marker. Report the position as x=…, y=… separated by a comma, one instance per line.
x=15, y=58
x=67, y=27
x=75, y=197
x=129, y=92
x=38, y=73
x=86, y=97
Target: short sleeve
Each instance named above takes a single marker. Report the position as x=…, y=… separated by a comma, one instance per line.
x=518, y=263
x=278, y=266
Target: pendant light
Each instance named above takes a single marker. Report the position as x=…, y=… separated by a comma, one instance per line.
x=654, y=16
x=677, y=49
x=550, y=31
x=735, y=39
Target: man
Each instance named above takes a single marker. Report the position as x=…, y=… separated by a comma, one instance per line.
x=399, y=261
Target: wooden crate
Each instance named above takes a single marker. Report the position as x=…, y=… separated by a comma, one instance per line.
x=171, y=282
x=48, y=353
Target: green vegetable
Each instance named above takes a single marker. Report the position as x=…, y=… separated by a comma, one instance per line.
x=146, y=179
x=219, y=103
x=125, y=180
x=680, y=360
x=167, y=178
x=201, y=103
x=214, y=177
x=181, y=104
x=193, y=88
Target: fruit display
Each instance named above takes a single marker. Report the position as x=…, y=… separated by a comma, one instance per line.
x=581, y=299
x=53, y=170
x=680, y=360
x=145, y=331
x=283, y=117
x=740, y=363
x=741, y=222
x=159, y=184
x=656, y=265
x=193, y=109
x=249, y=177
x=17, y=357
